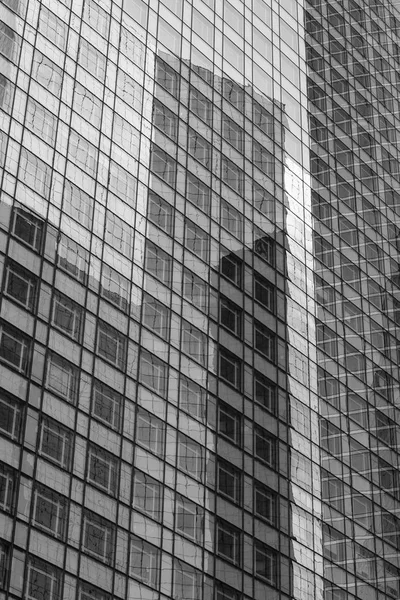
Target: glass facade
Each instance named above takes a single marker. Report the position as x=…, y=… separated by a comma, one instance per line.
x=198, y=305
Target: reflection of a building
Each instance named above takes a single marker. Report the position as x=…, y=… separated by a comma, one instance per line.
x=152, y=328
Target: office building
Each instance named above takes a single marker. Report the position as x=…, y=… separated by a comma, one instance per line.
x=193, y=404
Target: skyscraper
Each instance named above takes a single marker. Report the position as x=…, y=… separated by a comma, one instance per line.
x=198, y=313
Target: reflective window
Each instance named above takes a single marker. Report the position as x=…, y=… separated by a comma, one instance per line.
x=155, y=316
x=165, y=119
x=98, y=537
x=41, y=121
x=107, y=405
x=78, y=204
x=97, y=17
x=144, y=562
x=263, y=159
x=187, y=582
x=229, y=480
x=20, y=285
x=15, y=348
x=195, y=290
x=233, y=133
x=229, y=423
x=230, y=316
x=228, y=542
x=27, y=228
x=190, y=456
x=264, y=341
x=111, y=345
x=232, y=175
x=43, y=581
x=200, y=105
x=199, y=148
x=197, y=240
x=92, y=60
x=264, y=392
x=230, y=368
x=115, y=288
x=158, y=263
x=147, y=495
x=4, y=563
x=8, y=486
x=161, y=213
x=265, y=503
x=198, y=193
x=47, y=73
x=191, y=398
x=264, y=446
x=264, y=292
x=50, y=511
x=167, y=77
x=265, y=563
x=89, y=592
x=62, y=377
x=102, y=469
x=163, y=165
x=73, y=259
x=150, y=432
x=231, y=268
x=87, y=105
x=55, y=443
x=10, y=416
x=35, y=173
x=224, y=592
x=189, y=518
x=153, y=372
x=231, y=219
x=53, y=27
x=67, y=316
x=194, y=342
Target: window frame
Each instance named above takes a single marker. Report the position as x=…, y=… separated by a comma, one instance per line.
x=102, y=469
x=91, y=519
x=192, y=465
x=66, y=368
x=13, y=343
x=151, y=427
x=11, y=416
x=147, y=573
x=14, y=270
x=57, y=510
x=115, y=402
x=65, y=436
x=232, y=428
x=67, y=316
x=118, y=345
x=153, y=492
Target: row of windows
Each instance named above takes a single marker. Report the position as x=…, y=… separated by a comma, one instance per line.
x=43, y=581
x=55, y=442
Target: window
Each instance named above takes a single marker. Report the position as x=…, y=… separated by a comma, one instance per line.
x=47, y=73
x=230, y=316
x=27, y=228
x=107, y=405
x=150, y=432
x=264, y=292
x=229, y=481
x=191, y=398
x=263, y=159
x=145, y=562
x=231, y=219
x=78, y=204
x=89, y=592
x=189, y=518
x=264, y=446
x=229, y=423
x=155, y=316
x=55, y=443
x=41, y=121
x=200, y=105
x=190, y=457
x=231, y=175
x=121, y=183
x=198, y=192
x=195, y=290
x=115, y=288
x=228, y=542
x=231, y=268
x=333, y=491
x=263, y=119
x=8, y=485
x=230, y=368
x=263, y=201
x=62, y=377
x=20, y=285
x=43, y=581
x=119, y=234
x=166, y=77
x=163, y=165
x=10, y=416
x=158, y=263
x=234, y=93
x=10, y=43
x=53, y=28
x=264, y=246
x=67, y=316
x=111, y=345
x=187, y=582
x=102, y=469
x=199, y=148
x=165, y=120
x=194, y=342
x=87, y=105
x=97, y=17
x=264, y=341
x=224, y=592
x=147, y=495
x=265, y=504
x=92, y=60
x=73, y=259
x=265, y=563
x=4, y=564
x=233, y=133
x=50, y=511
x=196, y=240
x=153, y=373
x=35, y=173
x=14, y=347
x=98, y=536
x=264, y=392
x=161, y=213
